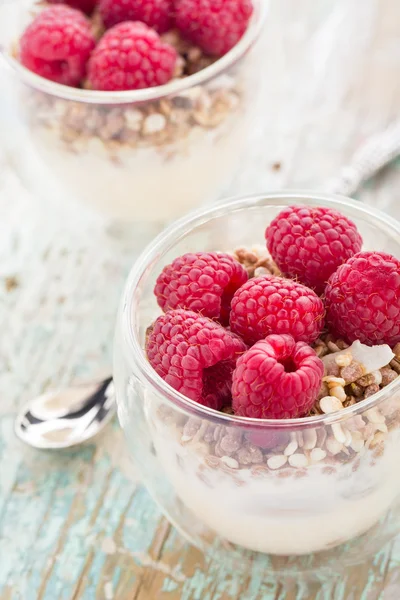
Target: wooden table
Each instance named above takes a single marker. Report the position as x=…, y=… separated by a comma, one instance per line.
x=73, y=525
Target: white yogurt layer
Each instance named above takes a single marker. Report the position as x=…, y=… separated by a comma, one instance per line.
x=145, y=185
x=284, y=516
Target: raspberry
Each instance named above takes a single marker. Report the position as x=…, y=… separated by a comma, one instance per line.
x=57, y=45
x=131, y=56
x=276, y=379
x=195, y=356
x=311, y=243
x=203, y=282
x=86, y=6
x=157, y=14
x=270, y=304
x=363, y=299
x=214, y=25
x=268, y=439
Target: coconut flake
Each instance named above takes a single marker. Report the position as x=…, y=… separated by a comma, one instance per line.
x=371, y=358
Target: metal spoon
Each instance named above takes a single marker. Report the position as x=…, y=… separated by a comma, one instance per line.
x=66, y=418
x=69, y=417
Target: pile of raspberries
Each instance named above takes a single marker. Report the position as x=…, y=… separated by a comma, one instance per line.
x=229, y=340
x=60, y=45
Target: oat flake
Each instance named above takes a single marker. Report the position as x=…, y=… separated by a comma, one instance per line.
x=276, y=462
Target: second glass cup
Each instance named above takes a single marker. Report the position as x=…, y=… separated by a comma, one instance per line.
x=277, y=487
x=145, y=155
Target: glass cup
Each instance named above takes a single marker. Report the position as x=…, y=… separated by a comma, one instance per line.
x=305, y=492
x=144, y=155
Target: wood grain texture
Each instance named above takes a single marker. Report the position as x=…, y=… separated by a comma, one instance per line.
x=75, y=525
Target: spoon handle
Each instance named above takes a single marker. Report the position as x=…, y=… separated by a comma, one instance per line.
x=372, y=157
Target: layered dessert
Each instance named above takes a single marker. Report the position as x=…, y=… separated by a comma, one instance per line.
x=285, y=434
x=152, y=98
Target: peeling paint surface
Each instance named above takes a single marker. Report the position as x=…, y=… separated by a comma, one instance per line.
x=77, y=525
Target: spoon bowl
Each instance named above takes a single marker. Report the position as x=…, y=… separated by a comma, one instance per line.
x=66, y=418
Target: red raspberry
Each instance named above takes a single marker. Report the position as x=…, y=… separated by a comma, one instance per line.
x=268, y=439
x=86, y=6
x=276, y=379
x=204, y=282
x=57, y=45
x=157, y=14
x=363, y=299
x=195, y=356
x=214, y=25
x=270, y=304
x=131, y=56
x=310, y=243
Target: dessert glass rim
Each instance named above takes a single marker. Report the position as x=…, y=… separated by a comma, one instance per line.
x=168, y=239
x=155, y=93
